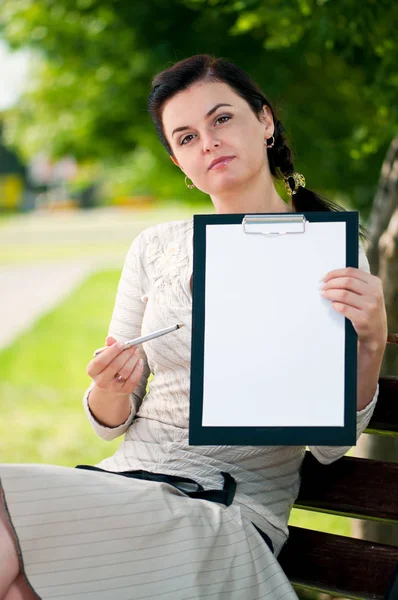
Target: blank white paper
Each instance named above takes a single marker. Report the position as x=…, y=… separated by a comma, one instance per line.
x=274, y=347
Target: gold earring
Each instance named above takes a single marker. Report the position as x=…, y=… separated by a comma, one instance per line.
x=299, y=181
x=270, y=146
x=189, y=185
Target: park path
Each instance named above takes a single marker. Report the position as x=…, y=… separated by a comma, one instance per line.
x=45, y=256
x=29, y=291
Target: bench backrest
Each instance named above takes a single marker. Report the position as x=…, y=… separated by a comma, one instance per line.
x=355, y=487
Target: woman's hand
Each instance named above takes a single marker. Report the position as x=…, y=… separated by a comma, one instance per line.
x=116, y=370
x=358, y=295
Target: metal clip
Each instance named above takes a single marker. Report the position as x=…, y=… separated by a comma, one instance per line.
x=274, y=224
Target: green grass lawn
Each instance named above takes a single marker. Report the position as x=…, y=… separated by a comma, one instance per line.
x=43, y=378
x=61, y=235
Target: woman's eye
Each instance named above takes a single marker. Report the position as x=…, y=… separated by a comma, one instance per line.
x=186, y=138
x=226, y=117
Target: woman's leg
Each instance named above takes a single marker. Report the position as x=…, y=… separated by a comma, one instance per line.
x=9, y=562
x=13, y=585
x=20, y=590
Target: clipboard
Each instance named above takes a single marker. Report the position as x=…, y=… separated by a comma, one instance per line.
x=272, y=363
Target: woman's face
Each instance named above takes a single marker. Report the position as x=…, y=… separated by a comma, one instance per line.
x=209, y=121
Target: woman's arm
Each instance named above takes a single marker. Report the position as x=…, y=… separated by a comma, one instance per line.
x=109, y=400
x=369, y=366
x=358, y=295
x=109, y=408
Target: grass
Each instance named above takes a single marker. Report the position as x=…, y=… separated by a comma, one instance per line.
x=5, y=217
x=43, y=379
x=71, y=235
x=18, y=254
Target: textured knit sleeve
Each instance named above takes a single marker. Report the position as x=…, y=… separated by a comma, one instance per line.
x=328, y=454
x=126, y=324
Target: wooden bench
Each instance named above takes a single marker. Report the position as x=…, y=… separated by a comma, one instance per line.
x=353, y=487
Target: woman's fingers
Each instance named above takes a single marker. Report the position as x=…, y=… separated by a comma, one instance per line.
x=359, y=319
x=115, y=367
x=116, y=361
x=98, y=364
x=350, y=272
x=358, y=295
x=351, y=287
x=344, y=297
x=126, y=370
x=134, y=378
x=351, y=284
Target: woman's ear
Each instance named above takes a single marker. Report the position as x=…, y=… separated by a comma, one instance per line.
x=265, y=118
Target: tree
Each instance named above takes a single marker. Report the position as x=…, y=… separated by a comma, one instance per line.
x=97, y=58
x=382, y=252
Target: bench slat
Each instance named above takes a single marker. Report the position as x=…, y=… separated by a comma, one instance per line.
x=339, y=565
x=385, y=416
x=355, y=487
x=352, y=487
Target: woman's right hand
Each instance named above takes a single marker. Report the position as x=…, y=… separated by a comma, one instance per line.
x=114, y=362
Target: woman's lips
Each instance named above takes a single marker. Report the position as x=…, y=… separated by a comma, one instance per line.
x=221, y=162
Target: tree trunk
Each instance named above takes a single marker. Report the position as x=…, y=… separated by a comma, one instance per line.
x=384, y=205
x=382, y=252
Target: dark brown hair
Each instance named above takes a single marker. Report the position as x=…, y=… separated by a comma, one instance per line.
x=203, y=67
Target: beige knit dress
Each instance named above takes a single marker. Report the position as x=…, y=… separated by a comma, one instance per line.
x=92, y=535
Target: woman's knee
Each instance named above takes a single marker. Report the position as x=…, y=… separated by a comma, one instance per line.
x=9, y=561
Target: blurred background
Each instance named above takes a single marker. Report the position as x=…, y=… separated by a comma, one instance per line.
x=82, y=172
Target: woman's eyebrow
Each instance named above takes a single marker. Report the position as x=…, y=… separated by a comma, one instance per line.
x=211, y=111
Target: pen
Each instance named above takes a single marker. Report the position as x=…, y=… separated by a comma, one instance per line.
x=144, y=338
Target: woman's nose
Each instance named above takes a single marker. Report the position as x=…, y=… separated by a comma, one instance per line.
x=209, y=144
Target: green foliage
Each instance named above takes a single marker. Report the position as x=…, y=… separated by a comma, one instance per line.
x=43, y=378
x=330, y=65
x=149, y=172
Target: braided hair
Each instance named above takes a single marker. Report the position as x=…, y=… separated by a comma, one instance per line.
x=203, y=67
x=281, y=162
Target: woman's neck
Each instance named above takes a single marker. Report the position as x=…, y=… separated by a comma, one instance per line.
x=258, y=197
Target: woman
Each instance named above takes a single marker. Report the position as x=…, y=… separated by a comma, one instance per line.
x=94, y=534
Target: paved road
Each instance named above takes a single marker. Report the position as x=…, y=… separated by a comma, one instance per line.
x=29, y=291
x=44, y=256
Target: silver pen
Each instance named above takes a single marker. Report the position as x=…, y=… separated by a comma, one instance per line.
x=144, y=338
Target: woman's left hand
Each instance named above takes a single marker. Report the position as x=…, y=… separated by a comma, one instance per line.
x=358, y=295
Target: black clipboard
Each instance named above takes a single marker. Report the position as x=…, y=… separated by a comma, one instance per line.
x=271, y=226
